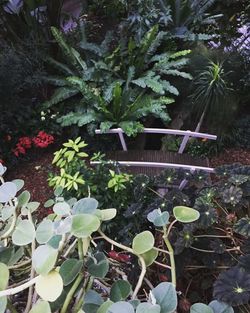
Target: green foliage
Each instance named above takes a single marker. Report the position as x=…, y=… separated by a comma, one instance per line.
x=121, y=87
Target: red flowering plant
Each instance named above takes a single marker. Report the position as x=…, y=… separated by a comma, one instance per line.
x=42, y=140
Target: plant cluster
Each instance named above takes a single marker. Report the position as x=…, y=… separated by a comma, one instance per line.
x=61, y=263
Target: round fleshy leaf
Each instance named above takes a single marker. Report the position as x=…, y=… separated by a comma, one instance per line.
x=23, y=199
x=85, y=206
x=120, y=290
x=150, y=256
x=24, y=233
x=44, y=231
x=64, y=226
x=69, y=270
x=220, y=307
x=19, y=183
x=98, y=265
x=108, y=214
x=148, y=308
x=44, y=259
x=32, y=206
x=50, y=286
x=49, y=203
x=8, y=191
x=200, y=308
x=54, y=242
x=3, y=304
x=104, y=307
x=41, y=307
x=83, y=225
x=61, y=208
x=185, y=214
x=158, y=218
x=7, y=212
x=165, y=295
x=121, y=307
x=2, y=169
x=143, y=242
x=4, y=274
x=92, y=301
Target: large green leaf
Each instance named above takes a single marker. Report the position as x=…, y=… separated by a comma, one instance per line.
x=200, y=308
x=83, y=225
x=49, y=287
x=185, y=214
x=220, y=307
x=44, y=231
x=150, y=256
x=44, y=259
x=41, y=307
x=92, y=302
x=120, y=290
x=104, y=307
x=24, y=233
x=23, y=199
x=69, y=270
x=98, y=265
x=143, y=242
x=85, y=206
x=148, y=308
x=61, y=208
x=166, y=297
x=121, y=307
x=8, y=191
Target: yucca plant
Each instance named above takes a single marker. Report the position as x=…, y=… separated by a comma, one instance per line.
x=213, y=99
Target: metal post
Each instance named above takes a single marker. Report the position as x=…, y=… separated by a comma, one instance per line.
x=184, y=143
x=122, y=139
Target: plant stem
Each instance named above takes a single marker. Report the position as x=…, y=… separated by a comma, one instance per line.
x=32, y=272
x=80, y=250
x=13, y=291
x=71, y=293
x=171, y=255
x=143, y=264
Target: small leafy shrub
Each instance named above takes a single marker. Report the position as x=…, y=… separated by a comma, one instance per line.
x=105, y=181
x=60, y=263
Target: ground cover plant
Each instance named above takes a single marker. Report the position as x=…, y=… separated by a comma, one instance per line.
x=66, y=267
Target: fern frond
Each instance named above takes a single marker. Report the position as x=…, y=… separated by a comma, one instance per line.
x=169, y=88
x=60, y=95
x=55, y=81
x=155, y=43
x=178, y=54
x=60, y=66
x=76, y=118
x=178, y=73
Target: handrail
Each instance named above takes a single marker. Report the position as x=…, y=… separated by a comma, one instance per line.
x=156, y=164
x=163, y=131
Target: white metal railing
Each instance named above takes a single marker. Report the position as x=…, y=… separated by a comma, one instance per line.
x=187, y=134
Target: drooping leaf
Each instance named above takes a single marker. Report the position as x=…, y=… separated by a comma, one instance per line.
x=120, y=290
x=185, y=214
x=166, y=297
x=43, y=259
x=150, y=256
x=41, y=307
x=44, y=231
x=98, y=265
x=8, y=191
x=158, y=218
x=121, y=307
x=50, y=286
x=143, y=242
x=69, y=270
x=83, y=225
x=200, y=307
x=24, y=233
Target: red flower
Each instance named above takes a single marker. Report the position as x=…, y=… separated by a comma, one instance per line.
x=42, y=140
x=1, y=161
x=25, y=142
x=19, y=149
